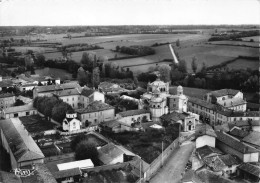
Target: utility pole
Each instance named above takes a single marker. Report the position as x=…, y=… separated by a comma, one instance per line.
x=162, y=153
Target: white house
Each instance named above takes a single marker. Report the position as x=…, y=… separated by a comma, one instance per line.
x=70, y=123
x=205, y=135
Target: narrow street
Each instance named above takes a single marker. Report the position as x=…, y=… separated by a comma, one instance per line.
x=175, y=166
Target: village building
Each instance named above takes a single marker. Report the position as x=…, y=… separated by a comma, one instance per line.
x=247, y=125
x=249, y=171
x=5, y=83
x=71, y=123
x=205, y=135
x=16, y=140
x=50, y=89
x=27, y=86
x=95, y=113
x=107, y=87
x=187, y=120
x=231, y=145
x=6, y=100
x=111, y=126
x=19, y=111
x=238, y=132
x=66, y=176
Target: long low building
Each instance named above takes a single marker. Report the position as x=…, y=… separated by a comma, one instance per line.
x=19, y=111
x=19, y=144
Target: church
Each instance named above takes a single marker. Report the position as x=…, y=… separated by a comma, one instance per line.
x=163, y=106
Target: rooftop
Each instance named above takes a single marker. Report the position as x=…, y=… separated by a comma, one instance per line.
x=50, y=88
x=110, y=124
x=250, y=168
x=224, y=92
x=201, y=103
x=133, y=112
x=229, y=160
x=253, y=138
x=94, y=107
x=20, y=142
x=204, y=129
x=9, y=177
x=109, y=152
x=87, y=92
x=244, y=123
x=239, y=133
x=231, y=113
x=62, y=93
x=207, y=151
x=234, y=143
x=6, y=83
x=210, y=177
x=27, y=107
x=215, y=163
x=174, y=116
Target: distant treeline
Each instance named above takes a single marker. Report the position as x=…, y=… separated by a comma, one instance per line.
x=235, y=35
x=136, y=50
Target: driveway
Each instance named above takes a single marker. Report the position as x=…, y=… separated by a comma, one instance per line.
x=175, y=166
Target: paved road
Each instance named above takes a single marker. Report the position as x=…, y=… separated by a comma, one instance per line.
x=171, y=172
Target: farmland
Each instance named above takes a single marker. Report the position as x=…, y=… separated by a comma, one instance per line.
x=236, y=43
x=244, y=63
x=255, y=38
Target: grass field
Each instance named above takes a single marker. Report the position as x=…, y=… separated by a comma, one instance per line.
x=236, y=43
x=24, y=49
x=255, y=38
x=243, y=64
x=214, y=54
x=62, y=74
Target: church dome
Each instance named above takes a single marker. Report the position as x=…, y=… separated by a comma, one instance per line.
x=156, y=99
x=158, y=82
x=179, y=90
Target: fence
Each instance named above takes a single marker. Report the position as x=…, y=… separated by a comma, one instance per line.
x=89, y=129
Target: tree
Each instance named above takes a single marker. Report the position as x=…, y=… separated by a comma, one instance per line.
x=82, y=78
x=86, y=150
x=96, y=77
x=59, y=111
x=40, y=59
x=135, y=81
x=76, y=140
x=18, y=102
x=182, y=66
x=178, y=43
x=87, y=60
x=165, y=72
x=194, y=65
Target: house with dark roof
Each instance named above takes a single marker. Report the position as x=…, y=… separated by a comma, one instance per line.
x=95, y=113
x=249, y=171
x=205, y=135
x=6, y=100
x=187, y=120
x=238, y=132
x=111, y=126
x=253, y=139
x=234, y=146
x=107, y=87
x=223, y=94
x=19, y=144
x=70, y=175
x=48, y=90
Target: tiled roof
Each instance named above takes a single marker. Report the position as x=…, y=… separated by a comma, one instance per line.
x=191, y=176
x=204, y=129
x=6, y=177
x=62, y=93
x=202, y=103
x=87, y=92
x=105, y=85
x=210, y=177
x=6, y=83
x=239, y=133
x=223, y=92
x=133, y=112
x=95, y=106
x=27, y=107
x=50, y=88
x=174, y=116
x=234, y=143
x=66, y=173
x=229, y=160
x=109, y=152
x=253, y=138
x=5, y=95
x=230, y=113
x=20, y=142
x=207, y=151
x=250, y=169
x=215, y=163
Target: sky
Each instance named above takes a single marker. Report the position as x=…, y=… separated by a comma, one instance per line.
x=128, y=12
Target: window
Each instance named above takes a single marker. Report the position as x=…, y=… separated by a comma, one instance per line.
x=27, y=113
x=72, y=98
x=15, y=115
x=67, y=99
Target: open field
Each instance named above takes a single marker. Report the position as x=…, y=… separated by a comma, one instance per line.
x=24, y=49
x=255, y=38
x=243, y=64
x=59, y=73
x=236, y=43
x=214, y=54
